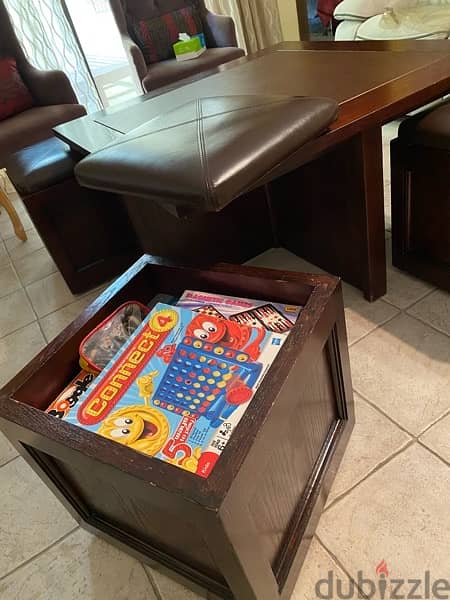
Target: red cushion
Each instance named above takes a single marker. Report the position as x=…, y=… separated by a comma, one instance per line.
x=157, y=36
x=14, y=94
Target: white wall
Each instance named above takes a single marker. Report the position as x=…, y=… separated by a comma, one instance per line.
x=289, y=20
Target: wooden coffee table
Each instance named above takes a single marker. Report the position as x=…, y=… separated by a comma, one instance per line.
x=327, y=200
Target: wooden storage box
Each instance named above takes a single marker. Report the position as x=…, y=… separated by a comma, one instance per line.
x=244, y=531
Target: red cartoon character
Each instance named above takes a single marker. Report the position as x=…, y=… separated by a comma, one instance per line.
x=228, y=333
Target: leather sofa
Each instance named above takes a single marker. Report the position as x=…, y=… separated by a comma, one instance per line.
x=54, y=99
x=404, y=19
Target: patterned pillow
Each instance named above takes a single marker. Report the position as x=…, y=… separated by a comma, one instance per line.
x=156, y=36
x=14, y=94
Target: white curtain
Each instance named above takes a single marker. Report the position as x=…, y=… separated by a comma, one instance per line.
x=49, y=43
x=257, y=22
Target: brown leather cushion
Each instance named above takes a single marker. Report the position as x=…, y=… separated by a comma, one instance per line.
x=204, y=154
x=157, y=35
x=169, y=71
x=430, y=128
x=40, y=166
x=34, y=125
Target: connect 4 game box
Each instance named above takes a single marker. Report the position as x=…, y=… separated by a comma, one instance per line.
x=179, y=386
x=275, y=317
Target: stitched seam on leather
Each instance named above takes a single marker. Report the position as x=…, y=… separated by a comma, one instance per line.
x=225, y=112
x=203, y=155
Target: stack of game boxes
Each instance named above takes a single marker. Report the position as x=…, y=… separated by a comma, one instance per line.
x=173, y=382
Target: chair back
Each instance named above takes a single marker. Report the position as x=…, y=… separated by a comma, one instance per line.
x=9, y=44
x=130, y=11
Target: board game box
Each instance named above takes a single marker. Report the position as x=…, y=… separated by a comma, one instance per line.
x=275, y=317
x=179, y=386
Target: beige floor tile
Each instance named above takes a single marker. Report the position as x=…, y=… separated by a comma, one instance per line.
x=4, y=256
x=17, y=349
x=437, y=438
x=279, y=258
x=80, y=567
x=15, y=312
x=31, y=518
x=35, y=266
x=403, y=290
x=399, y=514
x=7, y=229
x=50, y=294
x=7, y=451
x=54, y=323
x=8, y=281
x=18, y=205
x=435, y=310
x=361, y=316
x=374, y=439
x=404, y=368
x=313, y=580
x=169, y=589
x=18, y=249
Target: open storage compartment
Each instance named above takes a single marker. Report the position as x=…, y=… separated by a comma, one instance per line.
x=242, y=532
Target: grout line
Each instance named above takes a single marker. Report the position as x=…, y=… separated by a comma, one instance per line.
x=25, y=255
x=18, y=329
x=378, y=326
x=343, y=568
x=24, y=289
x=404, y=309
x=40, y=553
x=420, y=299
x=441, y=418
x=8, y=462
x=431, y=451
x=152, y=582
x=386, y=415
x=377, y=468
x=427, y=323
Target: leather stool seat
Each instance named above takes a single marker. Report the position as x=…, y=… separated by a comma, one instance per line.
x=430, y=128
x=40, y=166
x=204, y=154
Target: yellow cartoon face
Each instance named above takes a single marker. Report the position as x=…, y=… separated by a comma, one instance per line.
x=139, y=427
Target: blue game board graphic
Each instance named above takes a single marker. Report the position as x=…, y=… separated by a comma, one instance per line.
x=206, y=380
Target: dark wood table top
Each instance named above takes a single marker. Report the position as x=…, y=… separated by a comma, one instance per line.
x=374, y=82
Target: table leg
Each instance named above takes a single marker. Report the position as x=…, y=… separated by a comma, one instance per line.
x=372, y=214
x=331, y=212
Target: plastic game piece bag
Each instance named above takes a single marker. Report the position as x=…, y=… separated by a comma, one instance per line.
x=103, y=343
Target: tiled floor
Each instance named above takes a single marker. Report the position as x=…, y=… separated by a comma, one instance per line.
x=391, y=496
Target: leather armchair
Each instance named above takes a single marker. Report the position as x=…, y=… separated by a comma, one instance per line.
x=220, y=34
x=54, y=103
